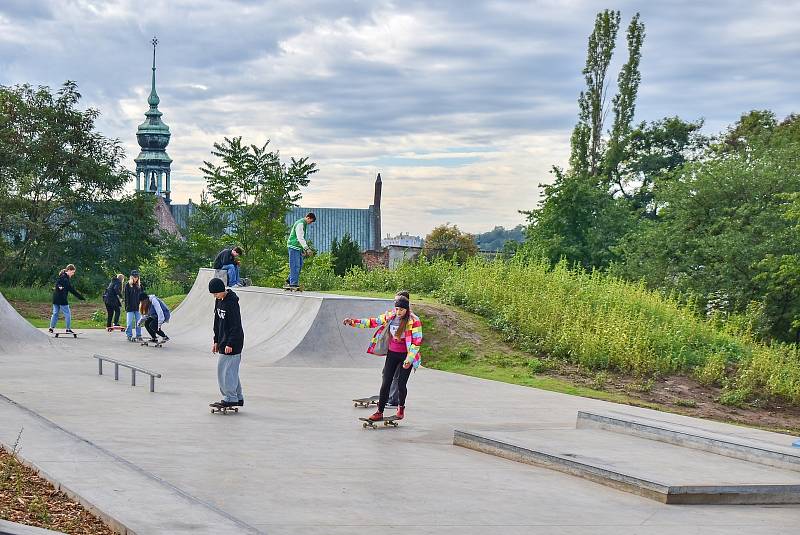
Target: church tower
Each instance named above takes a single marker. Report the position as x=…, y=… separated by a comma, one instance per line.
x=153, y=162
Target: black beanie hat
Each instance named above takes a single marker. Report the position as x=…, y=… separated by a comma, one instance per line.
x=401, y=302
x=216, y=286
x=143, y=297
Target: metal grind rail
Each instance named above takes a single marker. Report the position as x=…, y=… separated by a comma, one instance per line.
x=132, y=367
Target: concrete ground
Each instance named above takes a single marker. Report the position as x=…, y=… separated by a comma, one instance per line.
x=295, y=460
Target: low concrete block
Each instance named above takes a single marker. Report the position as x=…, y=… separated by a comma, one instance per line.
x=729, y=446
x=614, y=472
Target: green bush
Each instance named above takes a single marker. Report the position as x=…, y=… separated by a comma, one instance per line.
x=318, y=274
x=536, y=365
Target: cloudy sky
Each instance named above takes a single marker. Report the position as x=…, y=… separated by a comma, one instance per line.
x=462, y=106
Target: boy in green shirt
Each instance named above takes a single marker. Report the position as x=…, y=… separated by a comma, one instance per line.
x=298, y=248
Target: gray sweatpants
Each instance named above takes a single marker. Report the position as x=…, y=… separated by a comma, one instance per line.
x=228, y=377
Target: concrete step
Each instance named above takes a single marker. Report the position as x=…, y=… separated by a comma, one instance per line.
x=692, y=437
x=660, y=471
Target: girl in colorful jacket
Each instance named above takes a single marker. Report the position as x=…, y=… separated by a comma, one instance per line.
x=405, y=339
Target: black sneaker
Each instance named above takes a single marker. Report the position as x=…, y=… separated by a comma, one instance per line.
x=224, y=403
x=50, y=331
x=68, y=331
x=240, y=403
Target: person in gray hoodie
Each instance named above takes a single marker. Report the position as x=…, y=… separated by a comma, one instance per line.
x=154, y=315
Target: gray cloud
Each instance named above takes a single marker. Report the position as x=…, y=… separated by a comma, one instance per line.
x=392, y=86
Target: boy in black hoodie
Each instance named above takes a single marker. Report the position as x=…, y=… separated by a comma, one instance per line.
x=228, y=342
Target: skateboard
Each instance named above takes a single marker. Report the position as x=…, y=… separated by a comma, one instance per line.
x=115, y=328
x=290, y=289
x=244, y=281
x=389, y=421
x=150, y=343
x=216, y=407
x=366, y=402
x=74, y=335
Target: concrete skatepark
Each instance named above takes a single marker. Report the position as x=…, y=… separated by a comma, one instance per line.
x=296, y=461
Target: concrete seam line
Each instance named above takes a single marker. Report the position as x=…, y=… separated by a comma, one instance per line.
x=136, y=468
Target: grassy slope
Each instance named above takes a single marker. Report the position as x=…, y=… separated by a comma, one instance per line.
x=486, y=355
x=462, y=342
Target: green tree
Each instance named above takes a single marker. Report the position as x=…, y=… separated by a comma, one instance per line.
x=579, y=217
x=345, y=255
x=60, y=179
x=205, y=235
x=449, y=242
x=721, y=225
x=653, y=151
x=254, y=189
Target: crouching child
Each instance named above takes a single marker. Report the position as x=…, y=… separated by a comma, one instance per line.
x=228, y=343
x=154, y=314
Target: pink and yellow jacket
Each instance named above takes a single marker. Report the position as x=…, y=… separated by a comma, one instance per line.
x=413, y=334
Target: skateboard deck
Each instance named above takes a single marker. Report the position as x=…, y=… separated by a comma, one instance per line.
x=56, y=335
x=290, y=289
x=223, y=410
x=150, y=343
x=115, y=328
x=366, y=402
x=389, y=421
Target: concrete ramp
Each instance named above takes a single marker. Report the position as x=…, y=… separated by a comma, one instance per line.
x=285, y=328
x=16, y=333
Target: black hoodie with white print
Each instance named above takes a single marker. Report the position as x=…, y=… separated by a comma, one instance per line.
x=228, y=323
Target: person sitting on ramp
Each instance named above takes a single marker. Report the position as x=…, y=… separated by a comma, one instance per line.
x=228, y=259
x=400, y=343
x=228, y=342
x=154, y=314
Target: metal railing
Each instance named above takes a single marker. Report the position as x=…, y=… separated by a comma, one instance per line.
x=134, y=368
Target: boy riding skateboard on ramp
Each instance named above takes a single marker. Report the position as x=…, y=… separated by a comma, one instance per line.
x=298, y=249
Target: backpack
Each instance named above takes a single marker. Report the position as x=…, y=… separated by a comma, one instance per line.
x=108, y=295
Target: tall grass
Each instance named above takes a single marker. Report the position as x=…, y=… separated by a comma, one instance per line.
x=599, y=322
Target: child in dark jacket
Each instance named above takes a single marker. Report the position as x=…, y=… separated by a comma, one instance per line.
x=111, y=298
x=60, y=292
x=228, y=342
x=131, y=292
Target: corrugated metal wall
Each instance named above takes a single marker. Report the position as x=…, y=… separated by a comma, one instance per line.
x=331, y=223
x=335, y=223
x=181, y=213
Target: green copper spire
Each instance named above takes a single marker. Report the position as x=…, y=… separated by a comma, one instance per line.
x=154, y=100
x=153, y=162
